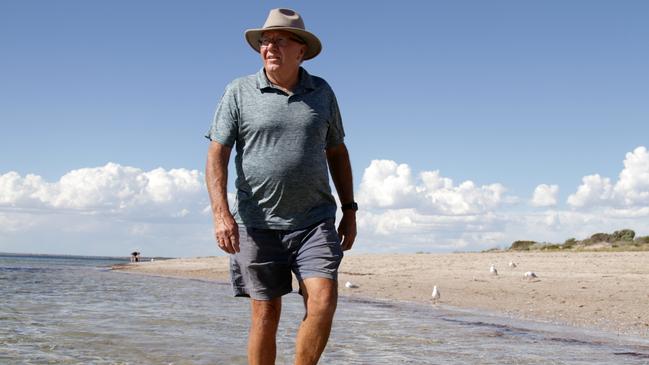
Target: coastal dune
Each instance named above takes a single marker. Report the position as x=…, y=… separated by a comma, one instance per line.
x=598, y=290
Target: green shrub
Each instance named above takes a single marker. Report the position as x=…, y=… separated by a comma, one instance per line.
x=623, y=235
x=522, y=245
x=569, y=243
x=551, y=247
x=598, y=237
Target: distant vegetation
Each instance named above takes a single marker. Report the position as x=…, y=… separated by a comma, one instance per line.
x=622, y=240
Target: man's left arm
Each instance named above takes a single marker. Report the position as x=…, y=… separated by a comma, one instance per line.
x=341, y=174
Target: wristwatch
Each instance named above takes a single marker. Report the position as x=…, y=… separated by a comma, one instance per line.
x=350, y=206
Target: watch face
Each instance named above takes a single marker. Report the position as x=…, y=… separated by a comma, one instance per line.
x=350, y=206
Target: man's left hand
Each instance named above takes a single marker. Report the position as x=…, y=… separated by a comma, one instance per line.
x=347, y=229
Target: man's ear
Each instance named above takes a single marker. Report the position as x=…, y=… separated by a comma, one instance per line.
x=302, y=52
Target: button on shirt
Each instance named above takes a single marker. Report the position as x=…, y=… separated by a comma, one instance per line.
x=280, y=138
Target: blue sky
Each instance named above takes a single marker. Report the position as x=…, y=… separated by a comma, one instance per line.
x=514, y=93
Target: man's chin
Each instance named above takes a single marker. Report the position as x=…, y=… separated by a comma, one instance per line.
x=273, y=66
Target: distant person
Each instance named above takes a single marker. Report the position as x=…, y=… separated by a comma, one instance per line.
x=286, y=127
x=135, y=256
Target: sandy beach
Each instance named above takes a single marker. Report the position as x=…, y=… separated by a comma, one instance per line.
x=598, y=290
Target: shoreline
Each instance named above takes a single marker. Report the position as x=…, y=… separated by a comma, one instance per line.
x=604, y=291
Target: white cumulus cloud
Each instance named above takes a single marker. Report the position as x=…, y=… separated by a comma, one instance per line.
x=386, y=184
x=545, y=195
x=106, y=210
x=427, y=210
x=631, y=190
x=111, y=189
x=593, y=190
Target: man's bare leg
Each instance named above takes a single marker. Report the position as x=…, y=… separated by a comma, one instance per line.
x=320, y=298
x=263, y=329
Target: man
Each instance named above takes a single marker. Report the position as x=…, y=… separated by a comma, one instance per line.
x=287, y=131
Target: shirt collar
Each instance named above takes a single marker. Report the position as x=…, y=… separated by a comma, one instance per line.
x=305, y=82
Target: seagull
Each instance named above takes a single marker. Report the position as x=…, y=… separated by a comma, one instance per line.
x=493, y=270
x=512, y=264
x=350, y=285
x=436, y=294
x=530, y=275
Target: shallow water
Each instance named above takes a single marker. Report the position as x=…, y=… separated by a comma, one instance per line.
x=76, y=311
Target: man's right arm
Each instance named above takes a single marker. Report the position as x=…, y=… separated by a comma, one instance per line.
x=226, y=230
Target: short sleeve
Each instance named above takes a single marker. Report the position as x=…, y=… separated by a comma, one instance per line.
x=225, y=125
x=335, y=133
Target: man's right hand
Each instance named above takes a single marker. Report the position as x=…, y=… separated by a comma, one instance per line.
x=226, y=231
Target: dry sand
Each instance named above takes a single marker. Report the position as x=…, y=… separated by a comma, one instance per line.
x=599, y=290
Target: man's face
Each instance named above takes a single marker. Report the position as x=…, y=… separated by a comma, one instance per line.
x=281, y=51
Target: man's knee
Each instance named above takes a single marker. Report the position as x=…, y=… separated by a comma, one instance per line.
x=321, y=298
x=266, y=312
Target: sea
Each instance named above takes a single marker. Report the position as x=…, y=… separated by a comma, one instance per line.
x=75, y=310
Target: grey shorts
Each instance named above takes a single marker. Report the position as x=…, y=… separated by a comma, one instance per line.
x=262, y=269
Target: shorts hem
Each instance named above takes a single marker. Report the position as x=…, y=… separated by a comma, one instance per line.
x=242, y=292
x=315, y=274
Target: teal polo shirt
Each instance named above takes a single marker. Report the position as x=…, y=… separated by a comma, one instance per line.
x=280, y=139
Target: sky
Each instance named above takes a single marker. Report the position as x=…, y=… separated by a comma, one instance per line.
x=470, y=124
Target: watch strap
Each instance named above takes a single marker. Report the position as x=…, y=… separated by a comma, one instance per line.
x=350, y=206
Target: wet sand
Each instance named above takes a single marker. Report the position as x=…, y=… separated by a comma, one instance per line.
x=599, y=290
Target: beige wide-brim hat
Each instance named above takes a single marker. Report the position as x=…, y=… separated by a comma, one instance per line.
x=290, y=21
